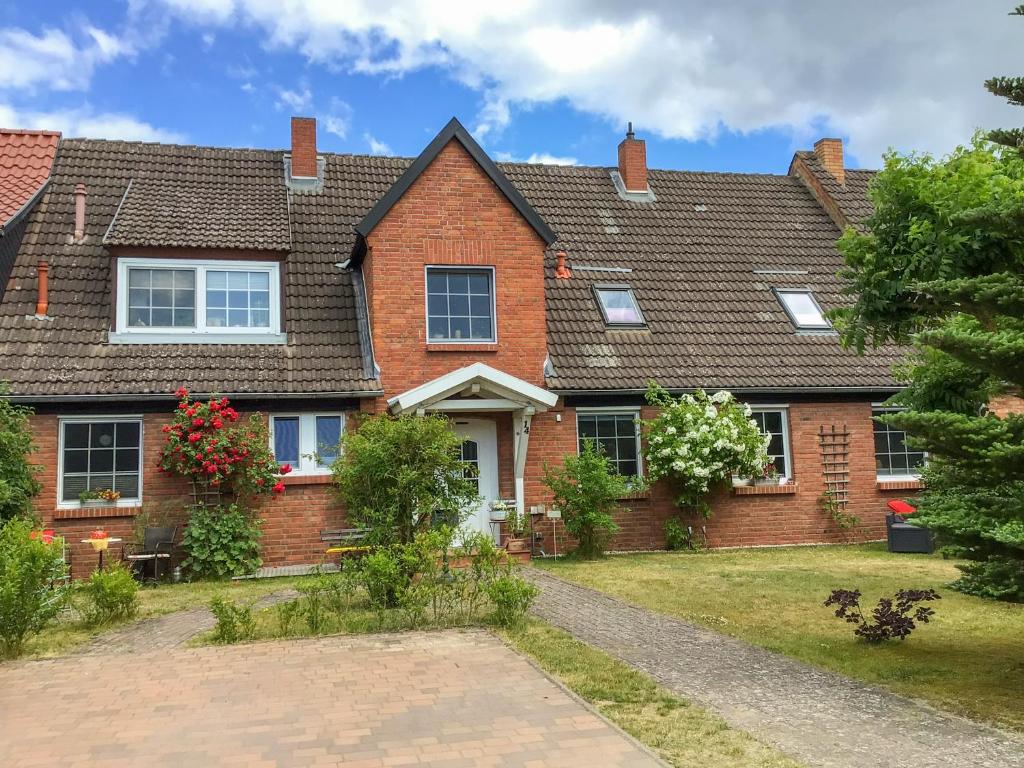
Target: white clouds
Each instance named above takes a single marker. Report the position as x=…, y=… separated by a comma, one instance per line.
x=297, y=100
x=377, y=147
x=53, y=59
x=86, y=122
x=543, y=158
x=907, y=74
x=337, y=119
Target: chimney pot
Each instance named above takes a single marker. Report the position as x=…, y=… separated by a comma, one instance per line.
x=562, y=272
x=633, y=162
x=79, y=212
x=830, y=154
x=43, y=302
x=304, y=147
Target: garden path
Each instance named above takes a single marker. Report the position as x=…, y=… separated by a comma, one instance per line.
x=170, y=631
x=815, y=716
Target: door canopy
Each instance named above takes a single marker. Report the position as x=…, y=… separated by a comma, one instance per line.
x=476, y=387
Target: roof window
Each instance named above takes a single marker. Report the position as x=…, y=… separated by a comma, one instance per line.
x=802, y=308
x=618, y=305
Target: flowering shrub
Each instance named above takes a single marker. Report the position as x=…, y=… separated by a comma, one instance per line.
x=699, y=440
x=208, y=444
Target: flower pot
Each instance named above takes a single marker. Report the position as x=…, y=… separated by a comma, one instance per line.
x=516, y=545
x=762, y=481
x=740, y=482
x=96, y=503
x=99, y=545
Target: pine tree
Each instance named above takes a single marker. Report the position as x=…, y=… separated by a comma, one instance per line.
x=940, y=265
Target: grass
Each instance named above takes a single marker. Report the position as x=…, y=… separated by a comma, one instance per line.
x=681, y=733
x=969, y=659
x=63, y=636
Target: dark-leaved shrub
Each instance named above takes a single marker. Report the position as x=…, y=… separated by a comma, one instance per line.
x=893, y=618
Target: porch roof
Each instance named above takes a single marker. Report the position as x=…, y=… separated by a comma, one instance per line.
x=509, y=392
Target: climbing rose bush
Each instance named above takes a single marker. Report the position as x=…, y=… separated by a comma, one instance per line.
x=698, y=441
x=210, y=445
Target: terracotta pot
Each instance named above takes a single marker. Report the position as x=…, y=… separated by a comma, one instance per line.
x=517, y=545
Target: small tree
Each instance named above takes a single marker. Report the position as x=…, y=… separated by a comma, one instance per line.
x=587, y=492
x=18, y=483
x=698, y=441
x=30, y=593
x=397, y=473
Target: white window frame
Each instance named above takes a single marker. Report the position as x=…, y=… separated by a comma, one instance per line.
x=494, y=301
x=874, y=453
x=786, y=450
x=616, y=411
x=307, y=465
x=826, y=326
x=201, y=333
x=122, y=502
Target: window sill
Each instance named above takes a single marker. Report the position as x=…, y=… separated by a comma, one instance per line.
x=87, y=513
x=906, y=484
x=197, y=338
x=324, y=479
x=462, y=346
x=764, y=490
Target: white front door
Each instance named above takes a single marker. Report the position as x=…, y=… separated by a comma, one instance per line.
x=480, y=448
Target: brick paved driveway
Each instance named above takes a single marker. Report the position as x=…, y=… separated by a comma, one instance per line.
x=440, y=699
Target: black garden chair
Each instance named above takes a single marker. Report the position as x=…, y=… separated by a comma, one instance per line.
x=903, y=536
x=156, y=548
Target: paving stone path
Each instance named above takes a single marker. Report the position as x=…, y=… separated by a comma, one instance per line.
x=818, y=717
x=170, y=631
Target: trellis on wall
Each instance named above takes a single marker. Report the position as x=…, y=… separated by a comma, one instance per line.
x=835, y=459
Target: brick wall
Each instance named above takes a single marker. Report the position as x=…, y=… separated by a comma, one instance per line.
x=453, y=214
x=292, y=521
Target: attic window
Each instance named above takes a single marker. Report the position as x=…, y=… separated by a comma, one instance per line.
x=804, y=311
x=618, y=305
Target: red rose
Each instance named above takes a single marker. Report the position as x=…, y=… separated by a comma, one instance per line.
x=278, y=487
x=197, y=422
x=217, y=423
x=259, y=481
x=284, y=469
x=195, y=437
x=181, y=394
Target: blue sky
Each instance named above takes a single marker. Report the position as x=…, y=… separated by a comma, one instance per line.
x=725, y=88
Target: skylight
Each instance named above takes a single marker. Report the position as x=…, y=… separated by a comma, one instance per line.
x=802, y=308
x=618, y=305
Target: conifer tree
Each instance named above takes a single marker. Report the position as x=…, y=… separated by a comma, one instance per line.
x=940, y=265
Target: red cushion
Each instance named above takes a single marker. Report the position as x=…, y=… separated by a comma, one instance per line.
x=901, y=507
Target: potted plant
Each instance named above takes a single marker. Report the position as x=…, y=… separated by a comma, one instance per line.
x=99, y=539
x=769, y=475
x=740, y=481
x=99, y=497
x=515, y=527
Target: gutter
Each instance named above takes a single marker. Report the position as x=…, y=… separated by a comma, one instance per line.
x=741, y=390
x=149, y=397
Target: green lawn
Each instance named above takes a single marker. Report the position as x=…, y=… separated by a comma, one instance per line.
x=969, y=659
x=63, y=636
x=682, y=734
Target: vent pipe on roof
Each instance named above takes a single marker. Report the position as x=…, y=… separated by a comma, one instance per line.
x=633, y=162
x=79, y=212
x=562, y=272
x=43, y=302
x=830, y=154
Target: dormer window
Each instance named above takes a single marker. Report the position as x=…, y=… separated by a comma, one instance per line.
x=182, y=301
x=618, y=306
x=803, y=309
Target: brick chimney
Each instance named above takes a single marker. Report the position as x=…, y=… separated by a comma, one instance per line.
x=633, y=162
x=830, y=154
x=304, y=147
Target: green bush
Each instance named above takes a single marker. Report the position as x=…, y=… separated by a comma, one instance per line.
x=221, y=542
x=512, y=597
x=30, y=590
x=235, y=622
x=384, y=577
x=18, y=483
x=396, y=474
x=676, y=537
x=587, y=492
x=109, y=595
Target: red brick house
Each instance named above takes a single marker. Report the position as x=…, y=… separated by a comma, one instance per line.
x=530, y=303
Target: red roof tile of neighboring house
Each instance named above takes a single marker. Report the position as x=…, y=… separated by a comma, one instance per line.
x=25, y=161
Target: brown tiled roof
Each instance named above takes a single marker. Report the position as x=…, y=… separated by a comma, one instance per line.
x=67, y=354
x=697, y=257
x=215, y=209
x=25, y=160
x=851, y=197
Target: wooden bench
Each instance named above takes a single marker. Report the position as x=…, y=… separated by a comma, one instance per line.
x=345, y=541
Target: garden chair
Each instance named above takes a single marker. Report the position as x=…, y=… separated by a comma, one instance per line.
x=156, y=547
x=903, y=536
